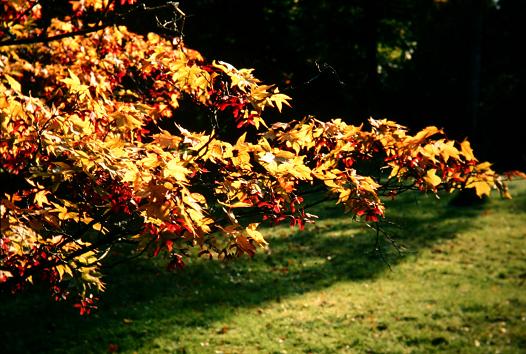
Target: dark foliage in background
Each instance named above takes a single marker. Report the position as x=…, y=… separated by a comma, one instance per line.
x=451, y=63
x=455, y=64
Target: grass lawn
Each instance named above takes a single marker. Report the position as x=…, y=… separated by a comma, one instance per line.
x=458, y=287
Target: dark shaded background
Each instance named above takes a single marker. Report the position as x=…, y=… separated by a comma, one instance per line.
x=456, y=64
x=451, y=63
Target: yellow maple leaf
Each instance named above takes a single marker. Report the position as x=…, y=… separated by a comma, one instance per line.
x=64, y=269
x=424, y=134
x=150, y=161
x=74, y=84
x=254, y=234
x=482, y=188
x=467, y=151
x=236, y=204
x=431, y=178
x=483, y=166
x=175, y=169
x=15, y=85
x=63, y=213
x=90, y=275
x=482, y=183
x=280, y=99
x=125, y=120
x=166, y=140
x=40, y=198
x=449, y=150
x=430, y=151
x=98, y=227
x=130, y=175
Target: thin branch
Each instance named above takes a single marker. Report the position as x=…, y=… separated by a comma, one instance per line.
x=377, y=247
x=45, y=39
x=205, y=146
x=127, y=259
x=118, y=18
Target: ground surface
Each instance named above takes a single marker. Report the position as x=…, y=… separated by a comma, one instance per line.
x=459, y=287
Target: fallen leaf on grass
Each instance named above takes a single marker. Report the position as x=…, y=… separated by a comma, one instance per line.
x=223, y=330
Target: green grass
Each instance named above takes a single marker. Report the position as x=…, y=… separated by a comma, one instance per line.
x=458, y=287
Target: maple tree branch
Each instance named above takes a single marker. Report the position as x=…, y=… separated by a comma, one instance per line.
x=119, y=17
x=46, y=39
x=135, y=256
x=16, y=278
x=110, y=240
x=205, y=146
x=377, y=248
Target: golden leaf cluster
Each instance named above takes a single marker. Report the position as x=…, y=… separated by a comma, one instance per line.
x=89, y=130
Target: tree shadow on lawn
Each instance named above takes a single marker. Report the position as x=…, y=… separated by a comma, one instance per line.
x=143, y=301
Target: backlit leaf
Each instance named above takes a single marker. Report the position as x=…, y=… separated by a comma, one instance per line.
x=431, y=178
x=175, y=169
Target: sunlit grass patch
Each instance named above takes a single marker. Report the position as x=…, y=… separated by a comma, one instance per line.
x=457, y=286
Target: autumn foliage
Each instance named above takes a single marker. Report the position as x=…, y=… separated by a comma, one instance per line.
x=96, y=155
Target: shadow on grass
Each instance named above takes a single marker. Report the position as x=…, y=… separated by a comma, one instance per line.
x=143, y=301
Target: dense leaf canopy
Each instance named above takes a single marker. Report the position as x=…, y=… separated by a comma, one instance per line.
x=97, y=155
